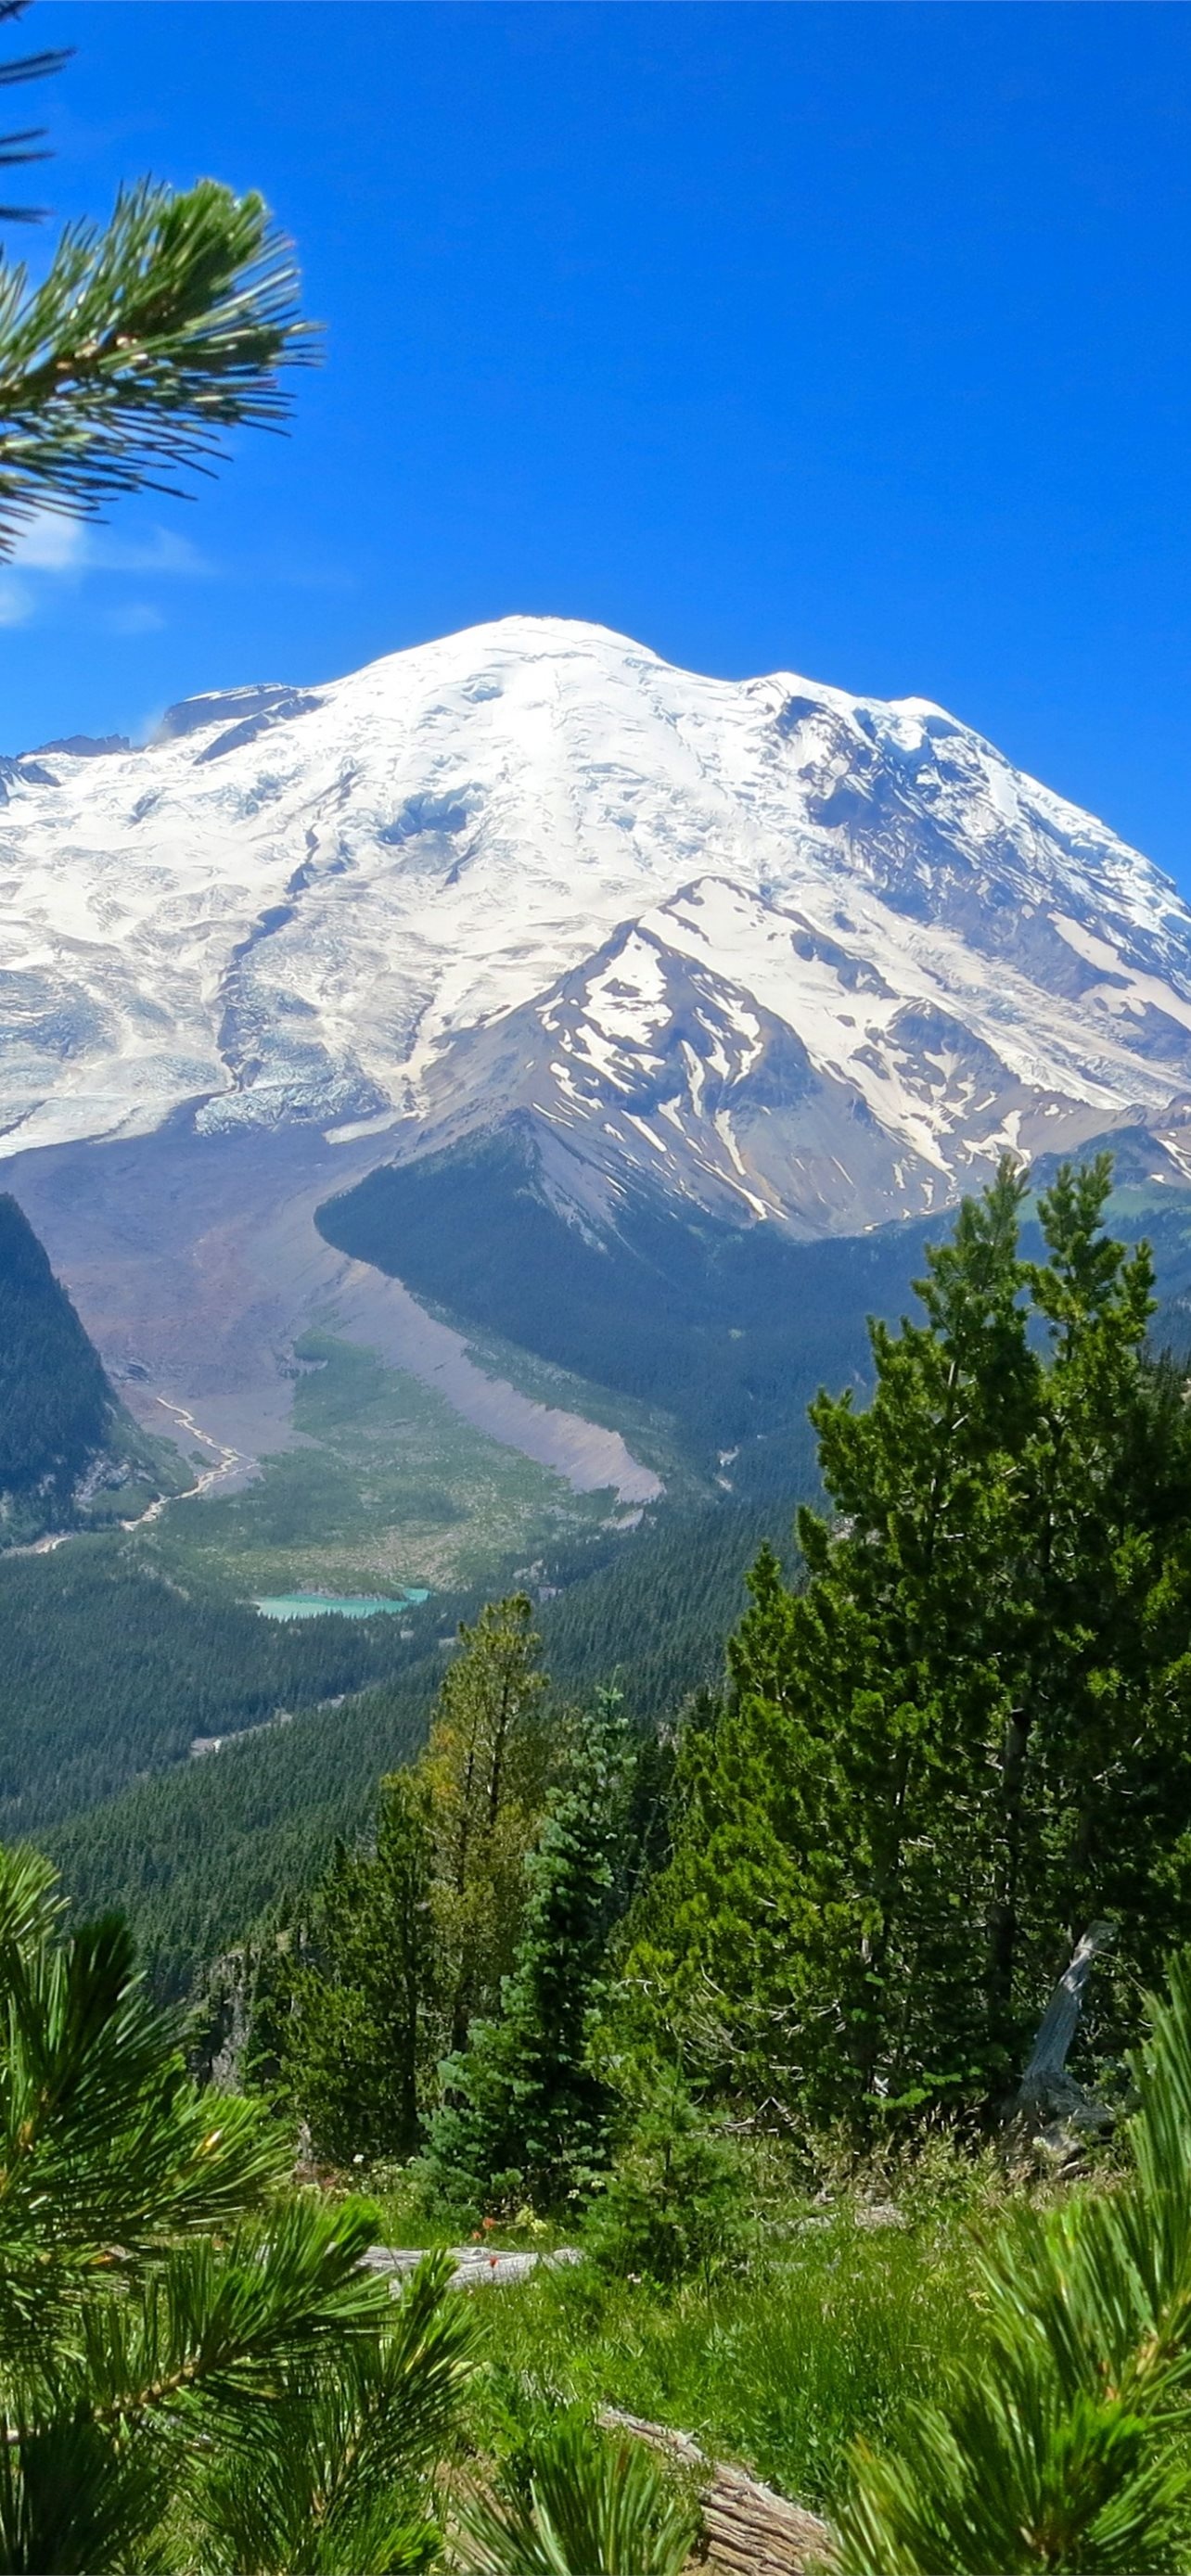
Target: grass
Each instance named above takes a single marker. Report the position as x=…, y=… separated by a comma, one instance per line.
x=780, y=2369
x=405, y=2217
x=387, y=1485
x=837, y=2330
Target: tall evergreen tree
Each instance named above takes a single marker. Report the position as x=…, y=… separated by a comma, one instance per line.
x=1094, y=1771
x=943, y=1753
x=525, y=2114
x=410, y=1933
x=362, y=2030
x=486, y=1769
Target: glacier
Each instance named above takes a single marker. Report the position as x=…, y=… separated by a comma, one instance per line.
x=787, y=955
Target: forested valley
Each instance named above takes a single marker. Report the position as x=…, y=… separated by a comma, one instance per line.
x=688, y=1937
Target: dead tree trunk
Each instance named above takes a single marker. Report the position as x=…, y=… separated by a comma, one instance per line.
x=1047, y=2094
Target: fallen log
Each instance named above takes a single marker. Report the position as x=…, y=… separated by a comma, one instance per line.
x=749, y=2530
x=473, y=2263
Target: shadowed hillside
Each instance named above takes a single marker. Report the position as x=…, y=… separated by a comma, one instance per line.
x=69, y=1453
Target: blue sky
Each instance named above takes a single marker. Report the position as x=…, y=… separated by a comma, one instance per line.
x=846, y=339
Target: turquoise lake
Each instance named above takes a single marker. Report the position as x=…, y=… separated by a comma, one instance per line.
x=315, y=1605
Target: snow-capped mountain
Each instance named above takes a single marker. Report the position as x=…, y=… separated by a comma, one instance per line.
x=774, y=950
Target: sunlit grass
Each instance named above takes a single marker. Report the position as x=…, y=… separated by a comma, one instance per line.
x=844, y=2334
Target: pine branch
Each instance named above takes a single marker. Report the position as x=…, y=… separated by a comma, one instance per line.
x=215, y=2326
x=28, y=144
x=1065, y=2449
x=142, y=344
x=594, y=2506
x=344, y=2480
x=107, y=2153
x=98, y=2435
x=231, y=2323
x=70, y=2497
x=165, y=2356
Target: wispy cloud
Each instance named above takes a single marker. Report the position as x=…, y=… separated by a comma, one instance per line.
x=68, y=549
x=56, y=560
x=139, y=618
x=162, y=551
x=17, y=601
x=50, y=544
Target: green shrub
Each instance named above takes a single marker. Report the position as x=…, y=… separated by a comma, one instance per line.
x=677, y=2200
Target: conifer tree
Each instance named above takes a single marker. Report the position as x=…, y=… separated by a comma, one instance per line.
x=411, y=1933
x=949, y=1747
x=1093, y=1774
x=362, y=2031
x=486, y=1768
x=525, y=2115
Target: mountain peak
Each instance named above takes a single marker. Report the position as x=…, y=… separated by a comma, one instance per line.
x=402, y=902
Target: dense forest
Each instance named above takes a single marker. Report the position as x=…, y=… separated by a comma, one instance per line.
x=709, y=1928
x=112, y=1670
x=198, y=1851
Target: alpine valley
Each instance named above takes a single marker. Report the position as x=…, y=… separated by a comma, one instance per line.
x=637, y=1019
x=471, y=1107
